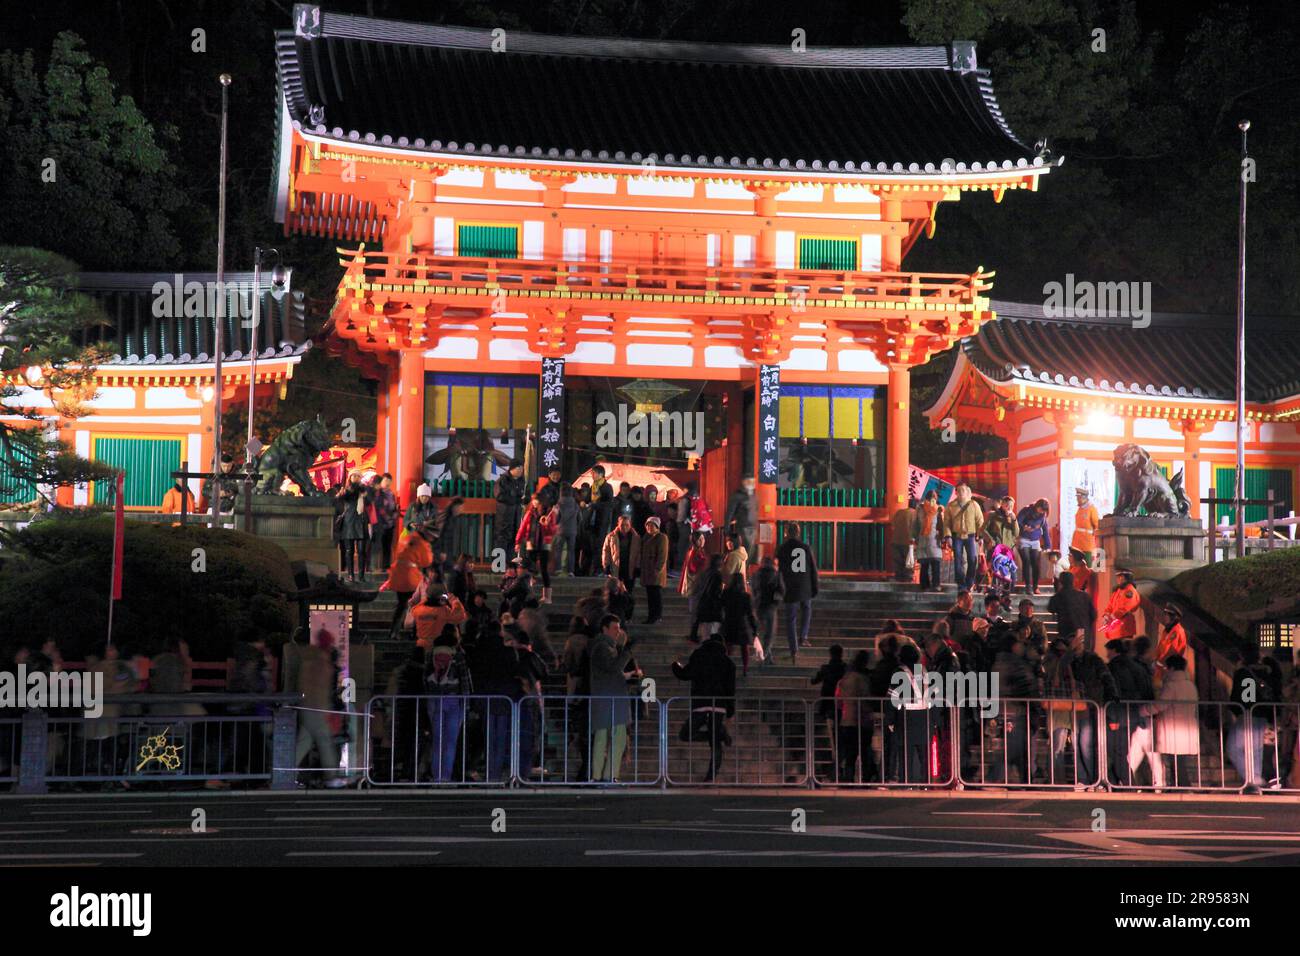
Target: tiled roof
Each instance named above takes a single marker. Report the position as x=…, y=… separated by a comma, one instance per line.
x=1177, y=356
x=884, y=110
x=140, y=336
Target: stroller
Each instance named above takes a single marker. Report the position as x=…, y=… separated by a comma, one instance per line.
x=1002, y=571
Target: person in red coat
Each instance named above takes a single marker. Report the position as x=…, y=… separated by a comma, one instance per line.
x=536, y=531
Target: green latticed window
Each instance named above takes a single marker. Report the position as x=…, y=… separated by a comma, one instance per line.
x=487, y=242
x=1259, y=481
x=15, y=488
x=839, y=255
x=148, y=463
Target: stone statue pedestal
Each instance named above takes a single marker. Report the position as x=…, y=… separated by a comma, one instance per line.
x=304, y=527
x=1155, y=547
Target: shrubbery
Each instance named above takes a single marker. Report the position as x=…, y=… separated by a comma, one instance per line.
x=55, y=577
x=1242, y=584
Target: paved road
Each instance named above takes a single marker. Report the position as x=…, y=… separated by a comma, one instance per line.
x=563, y=829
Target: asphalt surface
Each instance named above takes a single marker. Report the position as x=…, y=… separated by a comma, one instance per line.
x=606, y=827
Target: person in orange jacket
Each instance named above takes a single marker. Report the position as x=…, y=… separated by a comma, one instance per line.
x=1120, y=619
x=438, y=610
x=1086, y=524
x=176, y=495
x=413, y=555
x=1173, y=640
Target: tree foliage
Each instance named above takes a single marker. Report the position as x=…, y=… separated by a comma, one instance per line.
x=43, y=369
x=83, y=170
x=55, y=576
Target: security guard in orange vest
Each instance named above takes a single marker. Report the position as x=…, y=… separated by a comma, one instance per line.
x=1120, y=619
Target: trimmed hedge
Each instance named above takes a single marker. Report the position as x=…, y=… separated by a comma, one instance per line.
x=54, y=582
x=1242, y=584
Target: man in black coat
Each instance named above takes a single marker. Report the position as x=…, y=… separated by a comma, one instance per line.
x=1132, y=683
x=798, y=569
x=511, y=498
x=1074, y=611
x=712, y=676
x=742, y=515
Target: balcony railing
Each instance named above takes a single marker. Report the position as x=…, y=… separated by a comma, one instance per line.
x=393, y=271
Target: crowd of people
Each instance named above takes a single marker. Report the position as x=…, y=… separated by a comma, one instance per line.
x=1138, y=691
x=467, y=642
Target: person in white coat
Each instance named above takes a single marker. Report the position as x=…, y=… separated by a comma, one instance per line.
x=1177, y=726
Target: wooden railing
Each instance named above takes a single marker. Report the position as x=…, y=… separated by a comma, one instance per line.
x=390, y=271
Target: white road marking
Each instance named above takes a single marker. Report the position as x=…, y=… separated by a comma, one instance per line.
x=422, y=853
x=68, y=856
x=981, y=813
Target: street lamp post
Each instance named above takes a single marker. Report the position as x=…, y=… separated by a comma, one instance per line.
x=217, y=345
x=1240, y=504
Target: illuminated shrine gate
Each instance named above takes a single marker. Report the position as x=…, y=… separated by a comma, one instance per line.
x=568, y=224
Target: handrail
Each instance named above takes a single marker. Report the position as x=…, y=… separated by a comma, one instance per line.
x=375, y=269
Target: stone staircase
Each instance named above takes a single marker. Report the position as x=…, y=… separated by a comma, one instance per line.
x=768, y=732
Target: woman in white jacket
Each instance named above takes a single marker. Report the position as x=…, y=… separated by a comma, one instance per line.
x=1178, y=728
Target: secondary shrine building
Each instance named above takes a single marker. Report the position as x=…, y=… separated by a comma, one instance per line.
x=1064, y=392
x=152, y=408
x=540, y=231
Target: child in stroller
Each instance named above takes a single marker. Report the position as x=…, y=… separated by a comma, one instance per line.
x=1002, y=569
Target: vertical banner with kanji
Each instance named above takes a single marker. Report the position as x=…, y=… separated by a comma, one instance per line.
x=550, y=433
x=769, y=416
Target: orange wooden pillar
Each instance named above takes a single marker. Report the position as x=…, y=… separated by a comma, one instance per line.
x=408, y=470
x=383, y=395
x=897, y=423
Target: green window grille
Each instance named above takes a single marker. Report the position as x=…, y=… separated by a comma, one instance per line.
x=840, y=255
x=15, y=488
x=831, y=497
x=487, y=242
x=148, y=463
x=842, y=546
x=1258, y=483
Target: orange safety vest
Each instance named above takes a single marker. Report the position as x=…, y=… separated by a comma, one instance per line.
x=1123, y=602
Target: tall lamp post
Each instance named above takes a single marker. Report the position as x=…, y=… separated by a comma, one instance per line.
x=217, y=345
x=1239, y=505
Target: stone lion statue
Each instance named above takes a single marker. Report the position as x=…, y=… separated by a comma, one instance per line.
x=1142, y=488
x=292, y=451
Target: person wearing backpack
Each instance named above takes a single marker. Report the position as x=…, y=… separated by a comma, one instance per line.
x=963, y=520
x=532, y=674
x=447, y=681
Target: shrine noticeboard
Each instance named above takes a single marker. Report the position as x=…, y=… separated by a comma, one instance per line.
x=550, y=434
x=769, y=421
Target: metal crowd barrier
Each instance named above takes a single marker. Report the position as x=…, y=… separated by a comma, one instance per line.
x=585, y=740
x=1279, y=745
x=340, y=739
x=490, y=740
x=156, y=738
x=874, y=742
x=1179, y=745
x=737, y=742
x=1038, y=743
x=10, y=754
x=461, y=740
